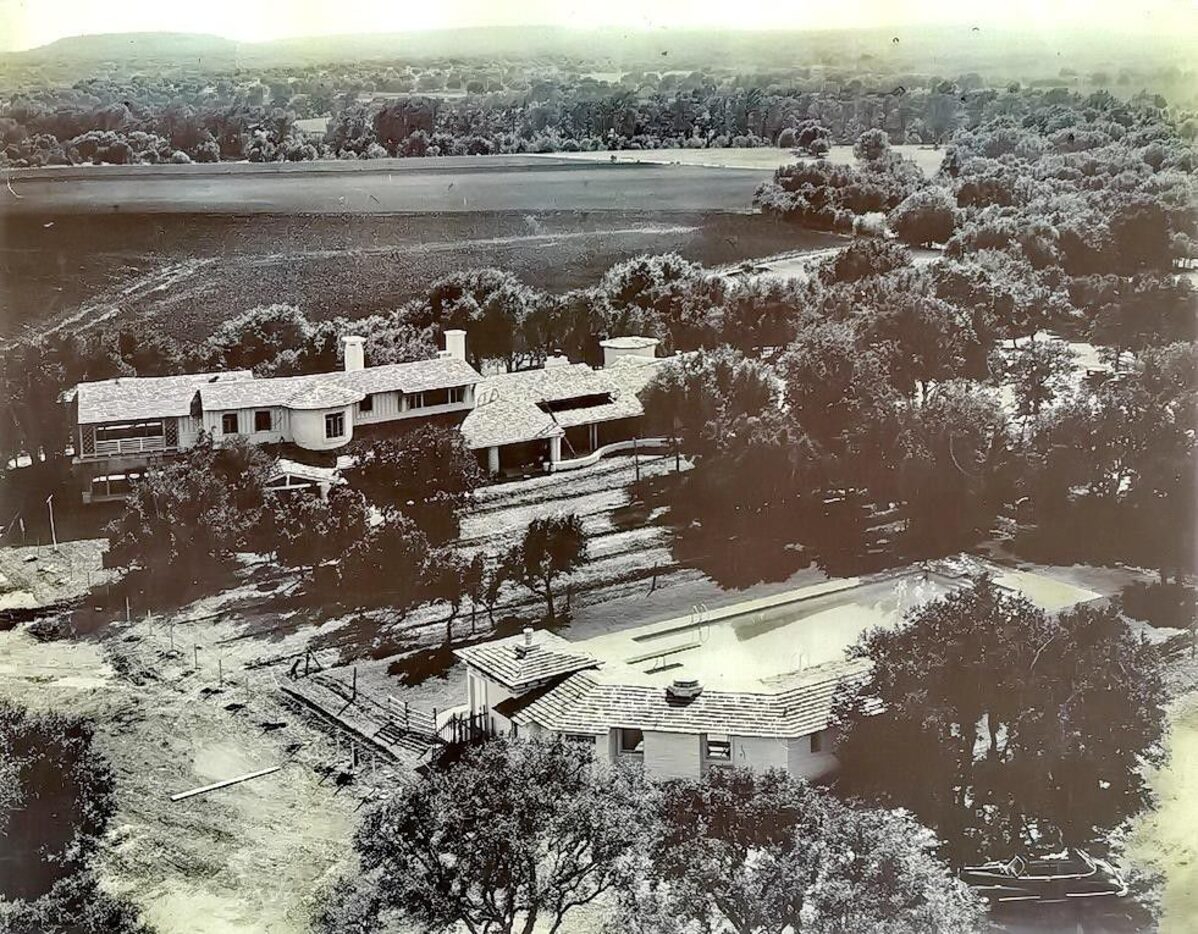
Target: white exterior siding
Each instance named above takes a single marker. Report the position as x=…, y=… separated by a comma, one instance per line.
x=804, y=763
x=280, y=424
x=384, y=407
x=672, y=755
x=189, y=431
x=759, y=752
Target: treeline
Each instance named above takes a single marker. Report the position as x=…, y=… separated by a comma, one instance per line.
x=456, y=112
x=1093, y=186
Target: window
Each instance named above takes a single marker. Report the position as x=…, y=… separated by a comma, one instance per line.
x=228, y=423
x=262, y=421
x=367, y=404
x=128, y=431
x=334, y=425
x=457, y=394
x=717, y=747
x=416, y=400
x=817, y=742
x=632, y=742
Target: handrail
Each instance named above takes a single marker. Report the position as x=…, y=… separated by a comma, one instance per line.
x=615, y=447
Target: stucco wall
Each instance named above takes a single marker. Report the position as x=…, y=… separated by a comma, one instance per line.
x=804, y=763
x=672, y=755
x=759, y=753
x=307, y=428
x=280, y=422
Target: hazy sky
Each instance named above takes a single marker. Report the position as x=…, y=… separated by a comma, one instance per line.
x=27, y=23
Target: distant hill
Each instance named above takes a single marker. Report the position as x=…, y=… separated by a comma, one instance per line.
x=164, y=47
x=945, y=50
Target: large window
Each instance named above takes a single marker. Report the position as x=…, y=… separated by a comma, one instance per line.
x=262, y=420
x=817, y=742
x=334, y=425
x=130, y=430
x=415, y=400
x=632, y=742
x=457, y=394
x=717, y=747
x=228, y=423
x=367, y=403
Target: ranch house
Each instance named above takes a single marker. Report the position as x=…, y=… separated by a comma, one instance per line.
x=124, y=425
x=556, y=417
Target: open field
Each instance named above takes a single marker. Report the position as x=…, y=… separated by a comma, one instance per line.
x=460, y=184
x=765, y=157
x=185, y=273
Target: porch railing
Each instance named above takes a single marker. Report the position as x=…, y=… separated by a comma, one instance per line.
x=129, y=446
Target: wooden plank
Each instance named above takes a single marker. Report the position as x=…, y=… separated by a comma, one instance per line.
x=225, y=784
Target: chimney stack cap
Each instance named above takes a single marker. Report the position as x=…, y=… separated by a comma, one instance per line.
x=525, y=645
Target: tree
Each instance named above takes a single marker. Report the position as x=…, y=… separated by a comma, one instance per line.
x=190, y=515
x=1140, y=235
x=1014, y=729
x=308, y=531
x=700, y=400
x=428, y=474
x=872, y=146
x=953, y=467
x=260, y=339
x=832, y=383
x=1110, y=472
x=56, y=801
x=449, y=578
x=1038, y=372
x=866, y=257
x=548, y=549
x=518, y=833
x=765, y=853
x=389, y=563
x=924, y=218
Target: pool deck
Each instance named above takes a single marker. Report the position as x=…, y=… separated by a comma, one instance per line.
x=746, y=645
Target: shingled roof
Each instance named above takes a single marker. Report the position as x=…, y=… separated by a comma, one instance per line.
x=596, y=701
x=326, y=390
x=510, y=407
x=128, y=398
x=506, y=661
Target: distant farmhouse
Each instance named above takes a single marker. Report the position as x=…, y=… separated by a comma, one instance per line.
x=749, y=685
x=559, y=416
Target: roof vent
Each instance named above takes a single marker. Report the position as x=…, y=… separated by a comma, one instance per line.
x=525, y=646
x=684, y=689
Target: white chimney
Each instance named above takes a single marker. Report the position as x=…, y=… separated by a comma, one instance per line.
x=525, y=646
x=455, y=343
x=355, y=357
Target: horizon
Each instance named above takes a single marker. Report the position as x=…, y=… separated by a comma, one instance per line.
x=29, y=28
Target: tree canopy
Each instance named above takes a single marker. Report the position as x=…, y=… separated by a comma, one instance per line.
x=515, y=834
x=1001, y=727
x=764, y=853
